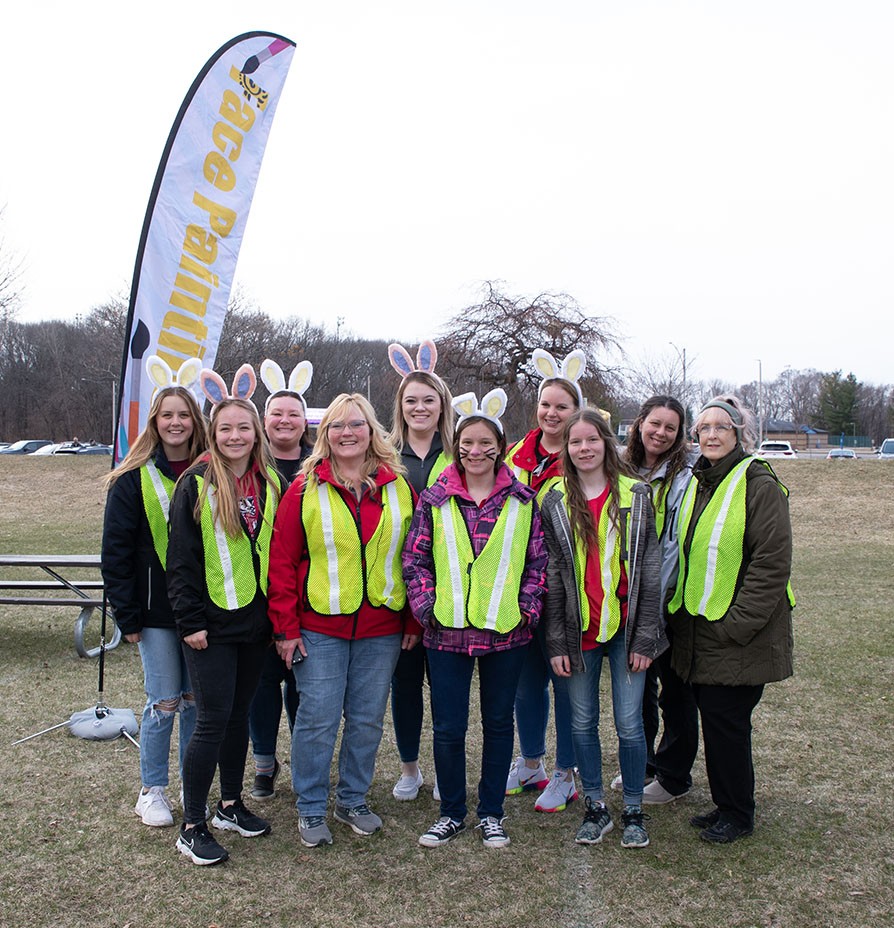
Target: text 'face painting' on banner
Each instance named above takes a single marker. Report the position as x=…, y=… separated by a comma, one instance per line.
x=196, y=216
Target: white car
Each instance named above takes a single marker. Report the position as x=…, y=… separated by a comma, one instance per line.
x=777, y=449
x=886, y=452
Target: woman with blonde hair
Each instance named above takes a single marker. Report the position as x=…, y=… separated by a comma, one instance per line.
x=134, y=554
x=221, y=525
x=422, y=431
x=338, y=607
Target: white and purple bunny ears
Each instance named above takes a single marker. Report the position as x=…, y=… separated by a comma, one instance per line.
x=162, y=376
x=492, y=406
x=244, y=384
x=571, y=369
x=274, y=380
x=426, y=358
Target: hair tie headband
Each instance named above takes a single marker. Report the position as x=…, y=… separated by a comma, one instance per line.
x=426, y=358
x=571, y=369
x=244, y=384
x=728, y=408
x=274, y=380
x=163, y=377
x=492, y=406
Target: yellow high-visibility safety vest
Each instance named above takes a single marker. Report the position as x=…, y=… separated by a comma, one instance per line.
x=156, y=490
x=342, y=568
x=442, y=462
x=715, y=559
x=524, y=476
x=480, y=591
x=229, y=562
x=610, y=546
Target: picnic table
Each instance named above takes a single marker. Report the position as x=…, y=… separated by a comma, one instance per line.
x=82, y=593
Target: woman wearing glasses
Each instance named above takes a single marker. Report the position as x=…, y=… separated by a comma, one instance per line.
x=338, y=607
x=730, y=614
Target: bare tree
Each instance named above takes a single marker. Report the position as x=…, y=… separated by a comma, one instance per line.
x=489, y=344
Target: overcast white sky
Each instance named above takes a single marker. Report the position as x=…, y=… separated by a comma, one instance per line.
x=715, y=174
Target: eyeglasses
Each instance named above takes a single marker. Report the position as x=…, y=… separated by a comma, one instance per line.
x=718, y=430
x=354, y=426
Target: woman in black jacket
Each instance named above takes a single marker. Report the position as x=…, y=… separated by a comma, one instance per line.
x=134, y=551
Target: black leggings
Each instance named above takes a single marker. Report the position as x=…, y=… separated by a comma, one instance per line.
x=224, y=678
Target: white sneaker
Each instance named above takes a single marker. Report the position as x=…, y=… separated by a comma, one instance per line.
x=154, y=807
x=558, y=793
x=522, y=777
x=407, y=787
x=618, y=783
x=656, y=795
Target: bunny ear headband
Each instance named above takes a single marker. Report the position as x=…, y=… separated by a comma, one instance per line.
x=426, y=358
x=244, y=383
x=274, y=380
x=492, y=406
x=162, y=376
x=571, y=369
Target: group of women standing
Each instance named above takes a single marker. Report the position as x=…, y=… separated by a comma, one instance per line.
x=528, y=565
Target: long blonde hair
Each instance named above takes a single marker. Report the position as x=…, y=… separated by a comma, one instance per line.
x=379, y=452
x=218, y=472
x=147, y=442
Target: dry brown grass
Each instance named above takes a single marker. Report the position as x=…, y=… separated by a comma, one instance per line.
x=75, y=855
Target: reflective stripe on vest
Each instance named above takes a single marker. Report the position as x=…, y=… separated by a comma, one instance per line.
x=716, y=551
x=480, y=591
x=229, y=562
x=609, y=565
x=341, y=567
x=156, y=490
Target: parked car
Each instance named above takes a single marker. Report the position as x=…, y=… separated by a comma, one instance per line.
x=69, y=447
x=25, y=446
x=777, y=449
x=842, y=454
x=47, y=449
x=95, y=449
x=886, y=452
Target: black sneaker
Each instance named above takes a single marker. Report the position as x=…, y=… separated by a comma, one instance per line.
x=264, y=787
x=597, y=823
x=493, y=834
x=444, y=829
x=635, y=834
x=237, y=818
x=706, y=819
x=198, y=845
x=724, y=832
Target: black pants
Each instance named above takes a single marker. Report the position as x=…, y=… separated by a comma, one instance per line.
x=676, y=751
x=224, y=678
x=726, y=728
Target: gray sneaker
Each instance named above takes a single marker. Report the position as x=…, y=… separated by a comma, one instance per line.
x=635, y=834
x=314, y=831
x=597, y=822
x=360, y=819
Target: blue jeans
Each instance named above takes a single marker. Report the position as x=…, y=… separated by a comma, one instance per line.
x=407, y=703
x=168, y=694
x=275, y=689
x=339, y=677
x=627, y=707
x=532, y=708
x=451, y=682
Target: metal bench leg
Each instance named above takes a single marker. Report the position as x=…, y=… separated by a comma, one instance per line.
x=80, y=628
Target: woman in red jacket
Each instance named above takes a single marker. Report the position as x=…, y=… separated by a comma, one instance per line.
x=338, y=607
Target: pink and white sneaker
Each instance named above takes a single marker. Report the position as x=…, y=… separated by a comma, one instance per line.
x=558, y=793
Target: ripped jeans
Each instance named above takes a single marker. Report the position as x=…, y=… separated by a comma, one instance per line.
x=166, y=681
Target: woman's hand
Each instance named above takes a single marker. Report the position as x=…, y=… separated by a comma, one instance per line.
x=639, y=662
x=408, y=642
x=561, y=665
x=133, y=638
x=198, y=641
x=286, y=650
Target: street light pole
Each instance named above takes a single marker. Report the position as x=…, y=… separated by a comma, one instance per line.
x=760, y=401
x=681, y=353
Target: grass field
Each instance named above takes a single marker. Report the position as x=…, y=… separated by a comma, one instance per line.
x=74, y=854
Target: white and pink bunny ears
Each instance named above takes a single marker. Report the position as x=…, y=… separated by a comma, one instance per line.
x=426, y=358
x=274, y=380
x=571, y=369
x=492, y=406
x=162, y=376
x=244, y=384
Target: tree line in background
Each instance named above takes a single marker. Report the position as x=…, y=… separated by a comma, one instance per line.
x=58, y=378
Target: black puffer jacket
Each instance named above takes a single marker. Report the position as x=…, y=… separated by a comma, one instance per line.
x=752, y=644
x=133, y=575
x=644, y=630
